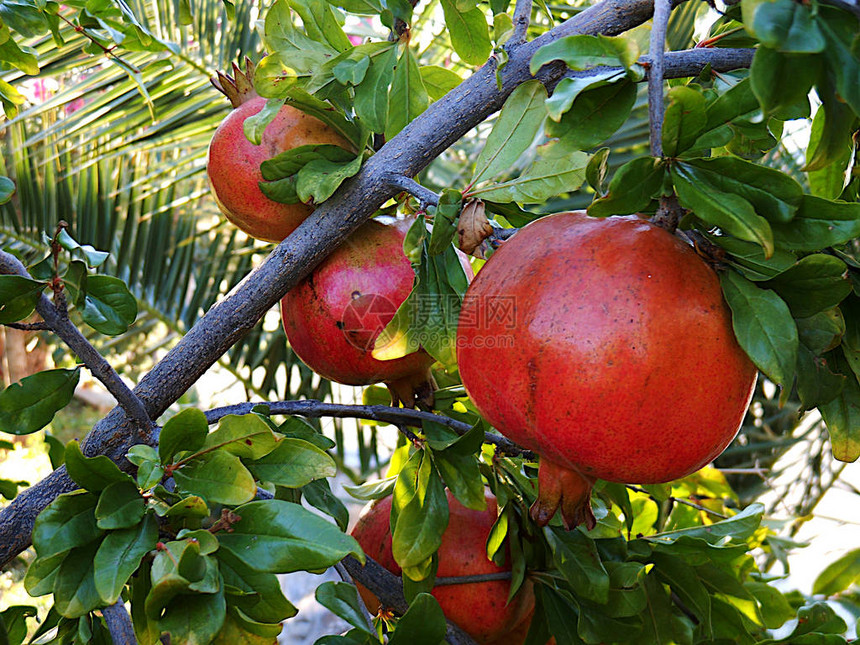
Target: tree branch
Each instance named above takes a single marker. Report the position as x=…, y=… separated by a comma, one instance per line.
x=421, y=141
x=662, y=10
x=425, y=196
x=522, y=18
x=119, y=624
x=384, y=413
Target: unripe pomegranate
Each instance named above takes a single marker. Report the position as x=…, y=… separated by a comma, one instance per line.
x=605, y=346
x=333, y=316
x=234, y=162
x=479, y=608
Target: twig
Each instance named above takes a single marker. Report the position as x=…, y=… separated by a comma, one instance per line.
x=681, y=500
x=478, y=577
x=346, y=577
x=662, y=9
x=425, y=196
x=34, y=326
x=119, y=624
x=395, y=416
x=89, y=355
x=522, y=18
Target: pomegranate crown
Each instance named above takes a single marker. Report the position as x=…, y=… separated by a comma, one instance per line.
x=239, y=88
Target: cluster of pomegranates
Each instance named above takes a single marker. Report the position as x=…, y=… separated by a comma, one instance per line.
x=604, y=345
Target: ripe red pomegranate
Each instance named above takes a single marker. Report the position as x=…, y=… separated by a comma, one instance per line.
x=333, y=316
x=480, y=608
x=605, y=346
x=234, y=162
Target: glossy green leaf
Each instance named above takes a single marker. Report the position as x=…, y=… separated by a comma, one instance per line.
x=7, y=189
x=108, y=306
x=595, y=171
x=342, y=600
x=281, y=537
x=781, y=82
x=775, y=607
x=293, y=463
x=819, y=223
x=120, y=506
x=840, y=34
x=763, y=325
x=750, y=260
x=407, y=97
x=470, y=34
x=290, y=162
x=595, y=115
x=256, y=124
x=462, y=475
x=632, y=188
x=438, y=80
x=731, y=213
x=823, y=331
x=318, y=179
x=558, y=609
x=74, y=587
x=626, y=593
x=830, y=144
x=189, y=507
x=514, y=131
x=258, y=595
x=376, y=489
x=786, y=26
x=13, y=623
x=90, y=256
x=684, y=120
x=816, y=283
x=283, y=37
x=321, y=24
x=581, y=52
x=196, y=619
x=842, y=416
x=247, y=436
x=67, y=522
x=119, y=556
x=22, y=58
x=42, y=572
x=422, y=624
x=371, y=95
x=186, y=430
x=577, y=559
x=93, y=473
x=18, y=297
x=218, y=477
x=318, y=494
x=569, y=88
x=839, y=575
x=30, y=404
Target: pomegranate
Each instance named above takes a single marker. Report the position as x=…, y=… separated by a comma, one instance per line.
x=333, y=316
x=605, y=346
x=234, y=162
x=479, y=608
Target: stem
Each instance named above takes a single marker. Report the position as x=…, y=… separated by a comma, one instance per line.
x=681, y=500
x=478, y=577
x=89, y=355
x=119, y=624
x=662, y=10
x=425, y=196
x=394, y=416
x=522, y=18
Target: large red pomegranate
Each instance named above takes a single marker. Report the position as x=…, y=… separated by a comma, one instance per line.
x=605, y=346
x=480, y=608
x=234, y=162
x=333, y=316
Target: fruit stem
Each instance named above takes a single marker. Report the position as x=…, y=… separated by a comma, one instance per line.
x=566, y=489
x=413, y=390
x=669, y=213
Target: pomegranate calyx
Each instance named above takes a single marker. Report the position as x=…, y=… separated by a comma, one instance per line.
x=413, y=390
x=239, y=88
x=566, y=489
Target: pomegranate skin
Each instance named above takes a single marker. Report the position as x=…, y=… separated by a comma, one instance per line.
x=479, y=608
x=620, y=361
x=334, y=315
x=234, y=162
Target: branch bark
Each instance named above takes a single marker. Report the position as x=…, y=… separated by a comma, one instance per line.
x=443, y=123
x=659, y=24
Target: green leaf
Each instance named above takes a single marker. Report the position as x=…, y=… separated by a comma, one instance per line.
x=91, y=257
x=18, y=297
x=290, y=162
x=7, y=189
x=343, y=601
x=816, y=283
x=120, y=506
x=816, y=383
x=258, y=595
x=196, y=619
x=786, y=26
x=558, y=168
x=371, y=490
x=731, y=213
x=108, y=306
x=582, y=52
x=422, y=516
x=750, y=260
x=93, y=473
x=830, y=143
x=595, y=171
x=183, y=431
x=781, y=82
x=459, y=467
x=188, y=507
x=839, y=575
x=470, y=34
x=42, y=572
x=514, y=131
x=763, y=326
x=247, y=436
x=74, y=587
x=218, y=477
x=280, y=537
x=822, y=331
x=318, y=494
x=318, y=179
x=407, y=97
x=67, y=522
x=13, y=623
x=569, y=88
x=256, y=124
x=595, y=115
x=119, y=556
x=840, y=33
x=30, y=404
x=371, y=95
x=842, y=417
x=775, y=608
x=738, y=528
x=632, y=188
x=819, y=223
x=684, y=121
x=293, y=463
x=422, y=624
x=21, y=57
x=577, y=559
x=321, y=24
x=438, y=81
x=558, y=609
